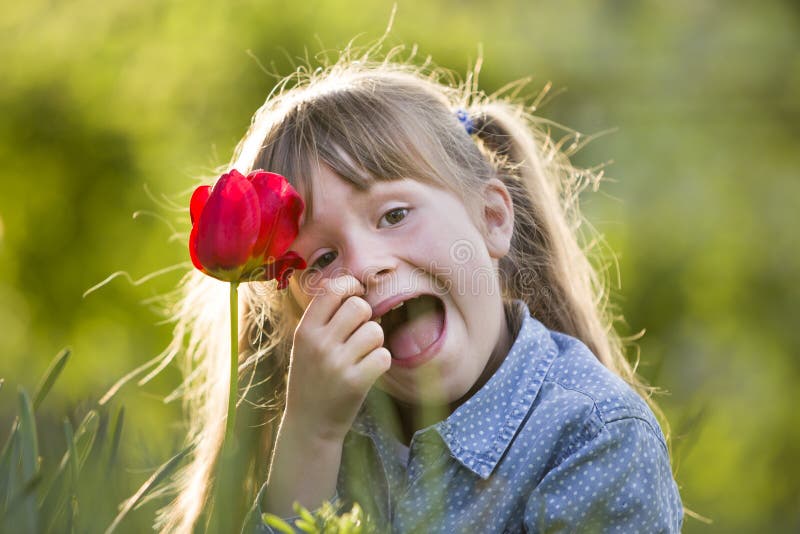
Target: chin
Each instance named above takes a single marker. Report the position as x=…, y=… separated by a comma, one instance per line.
x=429, y=390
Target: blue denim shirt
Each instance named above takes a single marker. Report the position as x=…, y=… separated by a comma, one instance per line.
x=552, y=442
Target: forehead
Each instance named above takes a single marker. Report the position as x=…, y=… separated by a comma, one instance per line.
x=328, y=192
x=323, y=187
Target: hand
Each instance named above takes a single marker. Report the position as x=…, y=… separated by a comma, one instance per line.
x=337, y=355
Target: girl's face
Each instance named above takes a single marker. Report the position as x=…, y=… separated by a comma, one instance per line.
x=412, y=243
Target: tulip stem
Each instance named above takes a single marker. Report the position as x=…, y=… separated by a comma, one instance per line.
x=234, y=378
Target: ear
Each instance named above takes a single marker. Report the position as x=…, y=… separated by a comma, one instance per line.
x=498, y=218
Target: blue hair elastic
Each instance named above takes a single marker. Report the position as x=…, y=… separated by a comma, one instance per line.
x=465, y=120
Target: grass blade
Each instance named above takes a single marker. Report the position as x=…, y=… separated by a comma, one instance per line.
x=84, y=437
x=6, y=465
x=50, y=376
x=100, y=435
x=74, y=469
x=26, y=491
x=28, y=437
x=10, y=482
x=59, y=492
x=74, y=473
x=163, y=472
x=29, y=450
x=112, y=458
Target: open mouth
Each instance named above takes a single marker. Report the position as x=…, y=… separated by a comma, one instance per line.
x=412, y=326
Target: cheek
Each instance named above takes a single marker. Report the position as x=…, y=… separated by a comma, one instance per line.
x=429, y=244
x=299, y=293
x=457, y=248
x=471, y=272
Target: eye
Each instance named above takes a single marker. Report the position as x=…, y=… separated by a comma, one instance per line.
x=323, y=261
x=393, y=216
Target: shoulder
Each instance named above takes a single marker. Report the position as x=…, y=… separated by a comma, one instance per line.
x=602, y=445
x=581, y=398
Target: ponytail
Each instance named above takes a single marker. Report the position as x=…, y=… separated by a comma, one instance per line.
x=547, y=266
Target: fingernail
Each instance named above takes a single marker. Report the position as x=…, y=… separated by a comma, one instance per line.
x=341, y=284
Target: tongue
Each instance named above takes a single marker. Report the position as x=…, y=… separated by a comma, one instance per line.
x=422, y=327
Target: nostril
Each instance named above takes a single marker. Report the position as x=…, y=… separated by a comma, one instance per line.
x=376, y=274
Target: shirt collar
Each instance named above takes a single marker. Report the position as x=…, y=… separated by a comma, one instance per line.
x=518, y=379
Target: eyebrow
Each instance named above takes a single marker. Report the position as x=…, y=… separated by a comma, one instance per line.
x=376, y=193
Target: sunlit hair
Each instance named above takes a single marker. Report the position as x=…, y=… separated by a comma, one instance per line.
x=387, y=120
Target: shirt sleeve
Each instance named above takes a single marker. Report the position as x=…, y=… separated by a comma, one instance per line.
x=617, y=480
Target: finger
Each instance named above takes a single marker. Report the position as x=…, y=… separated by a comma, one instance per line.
x=352, y=314
x=334, y=291
x=372, y=366
x=365, y=339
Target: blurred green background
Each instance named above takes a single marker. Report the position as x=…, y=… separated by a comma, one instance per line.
x=102, y=101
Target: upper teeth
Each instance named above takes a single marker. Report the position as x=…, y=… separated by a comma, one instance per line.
x=378, y=320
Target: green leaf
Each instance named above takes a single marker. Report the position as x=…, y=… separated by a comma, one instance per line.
x=163, y=472
x=277, y=523
x=50, y=376
x=306, y=526
x=303, y=512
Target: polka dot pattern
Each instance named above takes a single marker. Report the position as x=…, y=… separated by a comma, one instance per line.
x=552, y=442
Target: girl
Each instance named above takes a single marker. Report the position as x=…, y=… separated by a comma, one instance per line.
x=446, y=359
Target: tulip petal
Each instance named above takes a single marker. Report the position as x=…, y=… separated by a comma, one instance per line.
x=193, y=249
x=198, y=202
x=281, y=207
x=228, y=226
x=283, y=267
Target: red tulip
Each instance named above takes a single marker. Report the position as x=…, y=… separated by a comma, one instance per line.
x=243, y=226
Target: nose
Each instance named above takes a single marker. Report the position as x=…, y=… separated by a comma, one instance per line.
x=370, y=262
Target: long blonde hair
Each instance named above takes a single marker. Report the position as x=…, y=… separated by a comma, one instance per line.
x=385, y=120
